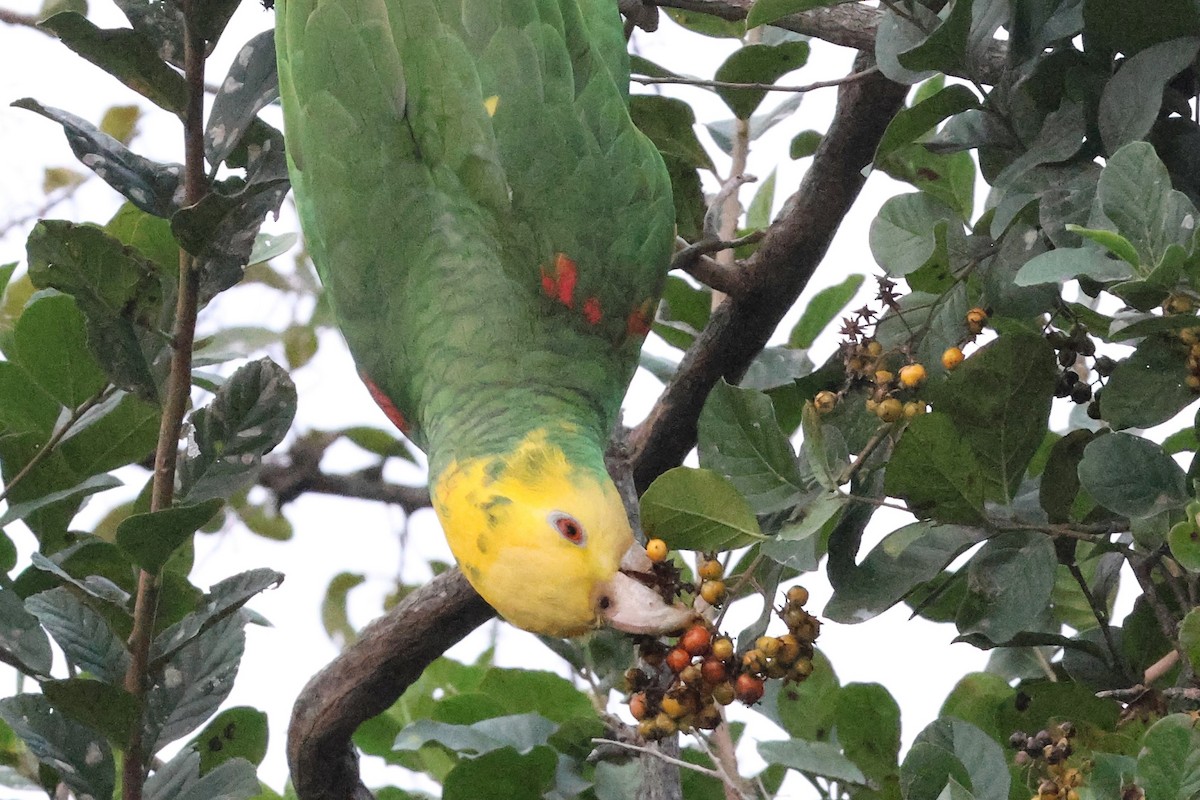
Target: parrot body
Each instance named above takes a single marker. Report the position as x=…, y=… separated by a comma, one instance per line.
x=493, y=233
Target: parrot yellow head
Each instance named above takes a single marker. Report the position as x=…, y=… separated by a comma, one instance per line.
x=542, y=541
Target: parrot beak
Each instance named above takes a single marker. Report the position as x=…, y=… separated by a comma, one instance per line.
x=634, y=607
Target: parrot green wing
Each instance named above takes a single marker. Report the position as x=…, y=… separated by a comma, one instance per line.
x=485, y=216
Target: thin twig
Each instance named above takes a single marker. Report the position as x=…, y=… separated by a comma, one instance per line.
x=55, y=438
x=877, y=438
x=719, y=275
x=653, y=751
x=1160, y=667
x=179, y=383
x=1142, y=570
x=1098, y=611
x=1135, y=692
x=15, y=18
x=679, y=80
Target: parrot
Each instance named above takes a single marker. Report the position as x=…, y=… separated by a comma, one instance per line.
x=493, y=234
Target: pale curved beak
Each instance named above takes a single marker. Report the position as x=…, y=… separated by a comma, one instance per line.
x=634, y=607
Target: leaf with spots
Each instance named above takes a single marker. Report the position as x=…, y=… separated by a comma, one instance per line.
x=78, y=754
x=82, y=633
x=187, y=689
x=251, y=84
x=220, y=230
x=223, y=599
x=234, y=733
x=23, y=643
x=249, y=416
x=161, y=23
x=149, y=185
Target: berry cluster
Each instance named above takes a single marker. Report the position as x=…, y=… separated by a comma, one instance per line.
x=1070, y=348
x=1048, y=751
x=1191, y=337
x=682, y=687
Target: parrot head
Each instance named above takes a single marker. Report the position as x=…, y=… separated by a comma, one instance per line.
x=545, y=542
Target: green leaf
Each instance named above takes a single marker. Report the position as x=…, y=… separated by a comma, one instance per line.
x=805, y=710
x=823, y=309
x=333, y=608
x=945, y=49
x=119, y=292
x=697, y=509
x=671, y=124
x=804, y=144
x=801, y=543
x=757, y=63
x=22, y=510
x=903, y=237
x=740, y=439
x=251, y=84
x=904, y=559
x=82, y=633
x=23, y=643
x=812, y=758
x=1059, y=485
x=1009, y=582
x=1184, y=541
x=49, y=342
x=502, y=774
x=222, y=600
x=1118, y=27
x=25, y=407
x=1168, y=765
x=986, y=767
x=1132, y=99
x=928, y=769
x=180, y=779
x=521, y=732
x=1067, y=263
x=868, y=729
x=910, y=124
x=1189, y=637
x=899, y=32
x=1148, y=387
x=375, y=440
x=977, y=698
x=1135, y=194
x=535, y=691
x=101, y=706
x=250, y=414
x=186, y=690
x=758, y=215
x=936, y=472
x=999, y=400
x=239, y=732
x=146, y=233
x=707, y=24
x=1117, y=244
x=125, y=54
x=81, y=758
x=764, y=12
x=1132, y=476
x=149, y=539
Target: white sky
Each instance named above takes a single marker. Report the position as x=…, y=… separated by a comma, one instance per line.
x=913, y=659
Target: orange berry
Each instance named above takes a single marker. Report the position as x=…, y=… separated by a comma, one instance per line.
x=722, y=648
x=713, y=671
x=638, y=706
x=678, y=659
x=797, y=595
x=883, y=377
x=952, y=357
x=656, y=550
x=749, y=689
x=824, y=402
x=673, y=708
x=696, y=640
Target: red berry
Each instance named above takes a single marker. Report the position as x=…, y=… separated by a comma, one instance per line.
x=678, y=659
x=696, y=640
x=749, y=689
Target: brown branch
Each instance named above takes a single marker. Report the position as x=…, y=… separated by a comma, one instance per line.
x=774, y=276
x=850, y=25
x=648, y=80
x=16, y=18
x=367, y=678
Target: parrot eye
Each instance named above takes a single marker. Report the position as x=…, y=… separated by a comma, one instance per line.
x=568, y=526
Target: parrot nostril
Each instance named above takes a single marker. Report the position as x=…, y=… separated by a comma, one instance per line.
x=605, y=602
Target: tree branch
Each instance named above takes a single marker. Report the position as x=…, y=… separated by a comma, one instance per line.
x=773, y=278
x=366, y=679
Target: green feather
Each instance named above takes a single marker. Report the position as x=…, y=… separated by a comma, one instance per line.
x=434, y=224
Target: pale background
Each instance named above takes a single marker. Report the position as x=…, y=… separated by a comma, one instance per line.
x=914, y=659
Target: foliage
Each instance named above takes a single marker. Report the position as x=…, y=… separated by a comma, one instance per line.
x=1076, y=287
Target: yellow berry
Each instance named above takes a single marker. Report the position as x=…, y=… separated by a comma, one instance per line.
x=977, y=315
x=768, y=646
x=914, y=408
x=952, y=357
x=825, y=401
x=789, y=649
x=797, y=595
x=713, y=592
x=646, y=729
x=1179, y=304
x=723, y=693
x=664, y=724
x=912, y=375
x=722, y=648
x=874, y=349
x=1193, y=382
x=883, y=377
x=890, y=410
x=672, y=707
x=656, y=550
x=710, y=569
x=872, y=405
x=1189, y=335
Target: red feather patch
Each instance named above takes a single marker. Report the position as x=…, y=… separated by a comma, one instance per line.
x=591, y=310
x=385, y=404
